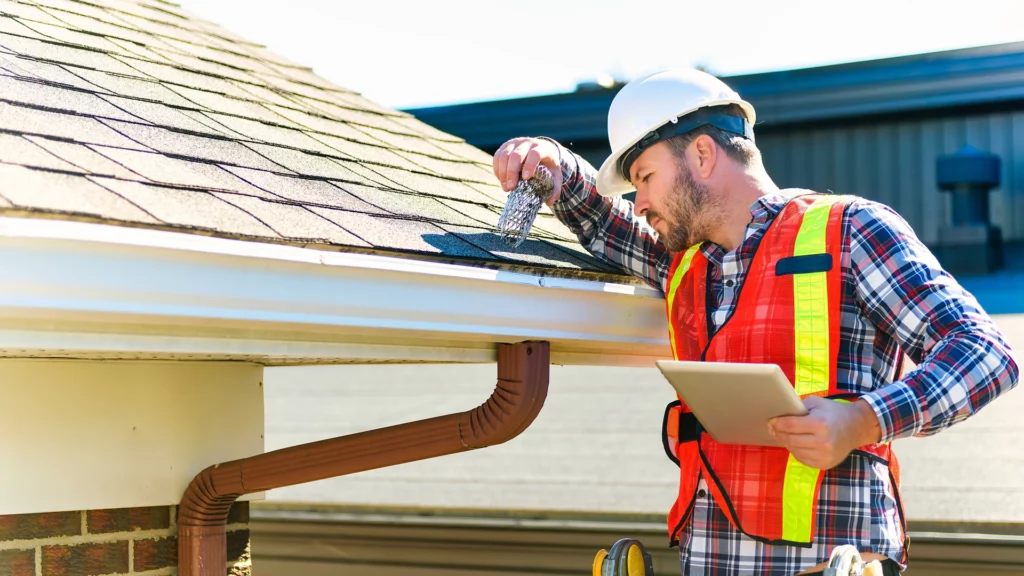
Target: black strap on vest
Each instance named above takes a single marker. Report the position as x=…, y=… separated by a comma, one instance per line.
x=689, y=429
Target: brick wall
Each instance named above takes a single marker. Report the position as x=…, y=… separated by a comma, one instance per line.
x=108, y=542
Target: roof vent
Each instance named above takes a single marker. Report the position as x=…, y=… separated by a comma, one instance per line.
x=969, y=244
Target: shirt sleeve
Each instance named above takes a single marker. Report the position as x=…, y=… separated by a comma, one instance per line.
x=963, y=359
x=607, y=227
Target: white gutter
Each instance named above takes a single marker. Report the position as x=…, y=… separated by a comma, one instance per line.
x=74, y=289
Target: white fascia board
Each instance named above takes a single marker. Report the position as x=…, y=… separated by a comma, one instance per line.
x=82, y=290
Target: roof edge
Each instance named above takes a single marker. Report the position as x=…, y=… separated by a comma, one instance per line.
x=442, y=259
x=82, y=290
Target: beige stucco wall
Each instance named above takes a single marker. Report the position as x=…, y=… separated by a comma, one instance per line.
x=87, y=435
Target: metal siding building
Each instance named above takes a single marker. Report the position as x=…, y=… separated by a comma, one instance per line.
x=893, y=161
x=872, y=128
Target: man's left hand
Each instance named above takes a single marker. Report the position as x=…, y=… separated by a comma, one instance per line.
x=828, y=433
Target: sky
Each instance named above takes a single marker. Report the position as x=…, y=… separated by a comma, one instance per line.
x=415, y=53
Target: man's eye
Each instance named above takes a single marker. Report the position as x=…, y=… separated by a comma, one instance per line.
x=646, y=178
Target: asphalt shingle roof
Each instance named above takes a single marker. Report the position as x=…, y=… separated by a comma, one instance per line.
x=140, y=114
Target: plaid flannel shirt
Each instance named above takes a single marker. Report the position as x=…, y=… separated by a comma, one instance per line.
x=896, y=298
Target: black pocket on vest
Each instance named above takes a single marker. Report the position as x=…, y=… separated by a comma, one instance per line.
x=804, y=264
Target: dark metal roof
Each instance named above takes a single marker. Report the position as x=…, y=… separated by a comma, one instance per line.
x=926, y=82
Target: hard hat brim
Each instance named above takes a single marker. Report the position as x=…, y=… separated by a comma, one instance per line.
x=610, y=183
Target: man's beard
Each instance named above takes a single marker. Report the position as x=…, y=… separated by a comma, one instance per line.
x=689, y=212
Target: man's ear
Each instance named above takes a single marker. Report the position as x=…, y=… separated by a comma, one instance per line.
x=706, y=154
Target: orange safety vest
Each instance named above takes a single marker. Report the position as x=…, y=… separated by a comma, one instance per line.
x=787, y=313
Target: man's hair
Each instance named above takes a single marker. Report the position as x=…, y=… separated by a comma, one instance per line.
x=736, y=147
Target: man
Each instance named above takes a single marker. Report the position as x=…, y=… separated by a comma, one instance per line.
x=833, y=289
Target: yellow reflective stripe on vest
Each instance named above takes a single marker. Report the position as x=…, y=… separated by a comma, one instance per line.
x=673, y=285
x=798, y=501
x=810, y=317
x=810, y=304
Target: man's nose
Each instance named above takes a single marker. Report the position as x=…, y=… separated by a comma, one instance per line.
x=641, y=203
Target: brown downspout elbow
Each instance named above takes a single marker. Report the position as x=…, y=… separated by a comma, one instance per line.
x=523, y=371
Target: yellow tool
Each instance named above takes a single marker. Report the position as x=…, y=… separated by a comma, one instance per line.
x=627, y=557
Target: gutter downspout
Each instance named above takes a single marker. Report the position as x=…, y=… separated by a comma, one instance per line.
x=523, y=371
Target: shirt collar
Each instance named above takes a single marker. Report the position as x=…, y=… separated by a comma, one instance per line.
x=762, y=211
x=768, y=206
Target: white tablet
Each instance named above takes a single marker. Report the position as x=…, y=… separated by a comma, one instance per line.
x=734, y=401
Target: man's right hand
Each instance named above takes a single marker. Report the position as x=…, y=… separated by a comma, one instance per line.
x=518, y=159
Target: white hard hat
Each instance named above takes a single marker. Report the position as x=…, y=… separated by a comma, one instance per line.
x=652, y=108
